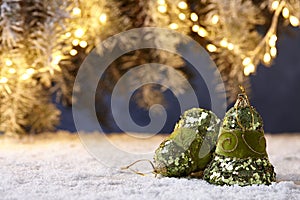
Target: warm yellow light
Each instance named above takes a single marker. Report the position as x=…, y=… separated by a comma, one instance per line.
x=273, y=51
x=273, y=37
x=275, y=5
x=272, y=43
x=249, y=69
x=162, y=8
x=3, y=80
x=230, y=46
x=223, y=43
x=195, y=28
x=57, y=59
x=25, y=76
x=294, y=21
x=103, y=18
x=75, y=42
x=247, y=61
x=30, y=71
x=182, y=5
x=83, y=44
x=285, y=13
x=161, y=1
x=173, y=26
x=68, y=34
x=8, y=62
x=202, y=32
x=194, y=17
x=215, y=19
x=76, y=11
x=211, y=48
x=79, y=33
x=267, y=58
x=181, y=16
x=73, y=52
x=272, y=40
x=12, y=70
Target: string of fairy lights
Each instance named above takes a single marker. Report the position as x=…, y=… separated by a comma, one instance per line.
x=162, y=7
x=80, y=32
x=77, y=38
x=249, y=61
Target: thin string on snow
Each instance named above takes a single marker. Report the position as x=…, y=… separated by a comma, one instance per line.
x=137, y=172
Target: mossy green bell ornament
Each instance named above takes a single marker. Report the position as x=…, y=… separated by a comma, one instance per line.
x=189, y=148
x=240, y=156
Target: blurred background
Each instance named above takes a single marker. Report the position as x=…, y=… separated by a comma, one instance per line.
x=253, y=43
x=275, y=93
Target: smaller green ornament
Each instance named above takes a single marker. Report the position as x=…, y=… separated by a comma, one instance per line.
x=240, y=156
x=189, y=148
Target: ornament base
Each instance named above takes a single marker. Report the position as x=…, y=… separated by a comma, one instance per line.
x=241, y=171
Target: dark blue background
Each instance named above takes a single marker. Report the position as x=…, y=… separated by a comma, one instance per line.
x=275, y=94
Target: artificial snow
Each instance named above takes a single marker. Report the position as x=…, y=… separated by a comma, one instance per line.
x=60, y=167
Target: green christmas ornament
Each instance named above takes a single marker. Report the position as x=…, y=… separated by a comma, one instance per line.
x=240, y=156
x=189, y=148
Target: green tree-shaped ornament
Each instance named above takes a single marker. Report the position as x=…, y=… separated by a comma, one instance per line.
x=240, y=156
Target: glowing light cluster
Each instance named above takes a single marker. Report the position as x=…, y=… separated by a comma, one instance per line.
x=83, y=44
x=249, y=69
x=12, y=70
x=294, y=21
x=3, y=80
x=173, y=26
x=285, y=13
x=224, y=43
x=248, y=66
x=275, y=5
x=76, y=11
x=8, y=62
x=68, y=34
x=200, y=30
x=75, y=42
x=181, y=16
x=267, y=58
x=272, y=40
x=194, y=17
x=79, y=33
x=103, y=18
x=182, y=5
x=162, y=6
x=215, y=19
x=27, y=75
x=211, y=48
x=73, y=52
x=273, y=51
x=230, y=46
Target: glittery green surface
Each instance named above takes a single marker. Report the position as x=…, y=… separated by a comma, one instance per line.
x=241, y=171
x=241, y=156
x=244, y=116
x=199, y=119
x=189, y=148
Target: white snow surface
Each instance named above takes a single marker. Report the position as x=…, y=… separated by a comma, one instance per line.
x=59, y=166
